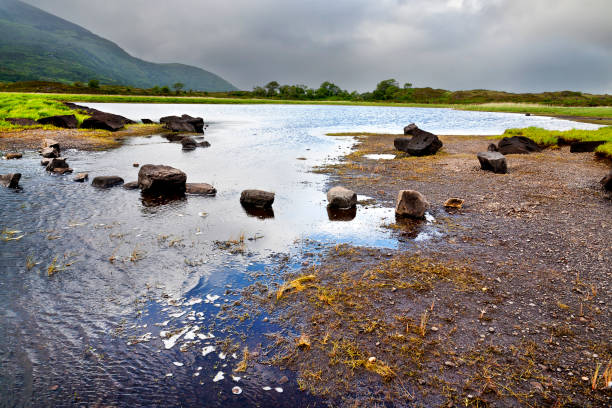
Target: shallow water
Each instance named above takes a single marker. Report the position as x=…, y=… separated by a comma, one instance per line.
x=124, y=266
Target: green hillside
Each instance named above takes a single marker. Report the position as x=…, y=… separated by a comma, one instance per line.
x=36, y=45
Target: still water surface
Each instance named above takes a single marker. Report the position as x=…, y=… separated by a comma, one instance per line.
x=128, y=270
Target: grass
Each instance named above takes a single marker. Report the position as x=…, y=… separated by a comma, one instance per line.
x=32, y=107
x=538, y=109
x=555, y=137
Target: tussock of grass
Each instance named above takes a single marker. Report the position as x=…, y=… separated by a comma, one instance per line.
x=555, y=137
x=296, y=284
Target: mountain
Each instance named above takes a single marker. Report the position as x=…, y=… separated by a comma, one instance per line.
x=36, y=45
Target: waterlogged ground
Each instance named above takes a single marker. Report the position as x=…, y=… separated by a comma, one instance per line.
x=107, y=299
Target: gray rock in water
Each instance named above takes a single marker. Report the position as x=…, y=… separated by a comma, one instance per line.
x=493, y=161
x=200, y=189
x=56, y=163
x=606, y=182
x=340, y=197
x=132, y=185
x=10, y=156
x=62, y=170
x=188, y=143
x=81, y=177
x=204, y=144
x=411, y=203
x=106, y=181
x=45, y=162
x=49, y=152
x=10, y=180
x=257, y=198
x=161, y=180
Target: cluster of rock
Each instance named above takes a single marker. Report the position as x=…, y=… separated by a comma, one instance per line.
x=495, y=160
x=422, y=143
x=184, y=123
x=52, y=159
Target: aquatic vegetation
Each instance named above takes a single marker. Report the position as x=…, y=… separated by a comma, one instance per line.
x=297, y=284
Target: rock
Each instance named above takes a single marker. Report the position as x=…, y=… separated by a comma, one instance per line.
x=21, y=121
x=56, y=163
x=200, y=189
x=173, y=137
x=50, y=143
x=528, y=114
x=105, y=121
x=45, y=162
x=11, y=156
x=517, y=145
x=147, y=122
x=204, y=144
x=61, y=121
x=411, y=204
x=584, y=147
x=454, y=203
x=188, y=143
x=257, y=198
x=284, y=379
x=135, y=165
x=401, y=143
x=106, y=181
x=422, y=143
x=132, y=185
x=10, y=180
x=62, y=170
x=492, y=147
x=493, y=161
x=161, y=180
x=184, y=123
x=340, y=197
x=606, y=182
x=81, y=177
x=49, y=152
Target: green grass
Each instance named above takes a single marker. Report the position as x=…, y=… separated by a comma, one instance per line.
x=31, y=107
x=555, y=137
x=533, y=108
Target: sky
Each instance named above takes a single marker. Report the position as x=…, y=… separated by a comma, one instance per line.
x=510, y=45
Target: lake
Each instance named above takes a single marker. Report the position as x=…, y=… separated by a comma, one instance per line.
x=126, y=270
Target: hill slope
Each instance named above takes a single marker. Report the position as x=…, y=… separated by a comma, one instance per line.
x=36, y=45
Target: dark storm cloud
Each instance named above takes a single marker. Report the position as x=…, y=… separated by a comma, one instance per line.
x=516, y=45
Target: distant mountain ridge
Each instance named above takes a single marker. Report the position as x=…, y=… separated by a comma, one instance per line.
x=36, y=45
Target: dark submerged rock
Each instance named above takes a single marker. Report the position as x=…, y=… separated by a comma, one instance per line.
x=493, y=161
x=204, y=144
x=62, y=170
x=256, y=198
x=184, y=123
x=411, y=203
x=161, y=180
x=61, y=121
x=200, y=189
x=188, y=143
x=341, y=198
x=106, y=181
x=132, y=185
x=422, y=143
x=517, y=145
x=56, y=163
x=584, y=147
x=10, y=180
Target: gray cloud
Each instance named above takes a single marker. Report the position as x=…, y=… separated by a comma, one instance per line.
x=514, y=45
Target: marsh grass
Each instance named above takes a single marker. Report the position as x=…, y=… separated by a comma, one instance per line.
x=31, y=107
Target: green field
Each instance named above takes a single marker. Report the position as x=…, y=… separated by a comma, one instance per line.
x=31, y=107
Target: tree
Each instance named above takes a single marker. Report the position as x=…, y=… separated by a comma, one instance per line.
x=328, y=89
x=259, y=91
x=178, y=87
x=165, y=90
x=407, y=85
x=385, y=89
x=272, y=87
x=93, y=83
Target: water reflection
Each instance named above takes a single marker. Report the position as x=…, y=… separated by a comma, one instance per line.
x=258, y=212
x=335, y=214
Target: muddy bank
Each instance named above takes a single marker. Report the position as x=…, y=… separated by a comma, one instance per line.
x=72, y=138
x=508, y=306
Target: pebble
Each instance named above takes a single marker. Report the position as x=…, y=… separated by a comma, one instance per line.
x=434, y=328
x=236, y=390
x=491, y=329
x=584, y=378
x=372, y=359
x=449, y=364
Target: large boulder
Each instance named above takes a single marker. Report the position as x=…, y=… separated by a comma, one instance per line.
x=340, y=197
x=184, y=123
x=517, y=145
x=493, y=161
x=606, y=182
x=21, y=121
x=161, y=180
x=584, y=147
x=106, y=181
x=411, y=203
x=200, y=189
x=49, y=153
x=61, y=121
x=10, y=180
x=188, y=143
x=422, y=143
x=257, y=198
x=56, y=163
x=105, y=121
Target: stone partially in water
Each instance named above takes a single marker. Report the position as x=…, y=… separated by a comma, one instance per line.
x=56, y=163
x=132, y=185
x=454, y=203
x=257, y=198
x=411, y=203
x=493, y=161
x=188, y=143
x=340, y=197
x=10, y=180
x=10, y=156
x=161, y=180
x=81, y=177
x=106, y=181
x=200, y=189
x=49, y=152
